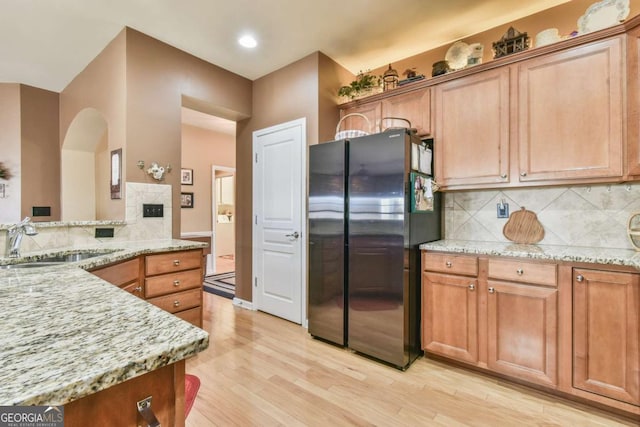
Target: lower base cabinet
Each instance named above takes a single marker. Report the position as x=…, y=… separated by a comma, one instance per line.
x=117, y=405
x=606, y=313
x=570, y=329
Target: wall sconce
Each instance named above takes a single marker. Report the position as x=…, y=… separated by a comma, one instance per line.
x=156, y=171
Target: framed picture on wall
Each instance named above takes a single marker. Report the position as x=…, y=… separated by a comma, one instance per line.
x=186, y=177
x=186, y=200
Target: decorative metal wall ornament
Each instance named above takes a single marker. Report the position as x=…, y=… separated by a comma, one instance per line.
x=512, y=41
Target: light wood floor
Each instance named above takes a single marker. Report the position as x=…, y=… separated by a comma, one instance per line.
x=260, y=370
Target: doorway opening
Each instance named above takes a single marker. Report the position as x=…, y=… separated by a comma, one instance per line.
x=207, y=140
x=224, y=219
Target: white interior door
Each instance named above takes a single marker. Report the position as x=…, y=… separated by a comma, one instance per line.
x=279, y=227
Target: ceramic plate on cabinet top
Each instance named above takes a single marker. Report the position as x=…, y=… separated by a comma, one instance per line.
x=457, y=55
x=603, y=14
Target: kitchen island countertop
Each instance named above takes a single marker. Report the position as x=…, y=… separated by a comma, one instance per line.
x=66, y=334
x=607, y=256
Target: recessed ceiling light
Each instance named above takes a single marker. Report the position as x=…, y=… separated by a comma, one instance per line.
x=247, y=41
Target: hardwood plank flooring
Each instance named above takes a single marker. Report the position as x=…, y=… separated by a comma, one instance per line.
x=260, y=370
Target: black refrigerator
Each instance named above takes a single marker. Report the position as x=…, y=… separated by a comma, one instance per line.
x=367, y=216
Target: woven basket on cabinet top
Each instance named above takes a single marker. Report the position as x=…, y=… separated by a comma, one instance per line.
x=353, y=133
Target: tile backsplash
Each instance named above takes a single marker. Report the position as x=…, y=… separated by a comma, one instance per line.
x=134, y=227
x=592, y=216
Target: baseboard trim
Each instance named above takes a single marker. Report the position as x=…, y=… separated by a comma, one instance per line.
x=243, y=304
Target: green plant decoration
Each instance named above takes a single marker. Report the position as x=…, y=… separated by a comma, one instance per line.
x=363, y=83
x=4, y=172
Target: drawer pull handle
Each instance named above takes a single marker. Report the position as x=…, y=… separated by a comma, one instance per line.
x=176, y=283
x=472, y=287
x=137, y=289
x=492, y=290
x=449, y=264
x=503, y=176
x=520, y=272
x=580, y=278
x=176, y=262
x=144, y=407
x=176, y=303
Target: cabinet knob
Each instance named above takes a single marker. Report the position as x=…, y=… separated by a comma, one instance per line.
x=503, y=176
x=137, y=289
x=472, y=287
x=580, y=278
x=492, y=290
x=176, y=283
x=176, y=303
x=449, y=264
x=523, y=174
x=176, y=262
x=519, y=272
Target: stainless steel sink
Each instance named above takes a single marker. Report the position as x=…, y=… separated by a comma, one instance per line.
x=28, y=265
x=57, y=259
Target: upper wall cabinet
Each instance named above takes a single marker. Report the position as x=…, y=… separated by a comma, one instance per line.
x=472, y=129
x=633, y=103
x=414, y=106
x=570, y=114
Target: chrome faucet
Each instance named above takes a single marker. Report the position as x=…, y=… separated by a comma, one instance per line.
x=14, y=236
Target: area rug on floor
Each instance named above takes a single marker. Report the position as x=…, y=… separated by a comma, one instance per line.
x=221, y=284
x=191, y=386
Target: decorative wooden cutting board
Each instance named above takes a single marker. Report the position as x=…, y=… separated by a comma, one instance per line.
x=523, y=227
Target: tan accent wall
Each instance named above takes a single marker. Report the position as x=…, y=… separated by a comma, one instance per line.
x=564, y=17
x=39, y=125
x=160, y=80
x=101, y=86
x=305, y=88
x=10, y=158
x=201, y=149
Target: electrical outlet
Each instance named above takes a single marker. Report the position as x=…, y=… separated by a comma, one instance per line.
x=104, y=232
x=152, y=211
x=503, y=210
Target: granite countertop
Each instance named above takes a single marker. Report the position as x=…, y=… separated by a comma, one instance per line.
x=66, y=333
x=623, y=257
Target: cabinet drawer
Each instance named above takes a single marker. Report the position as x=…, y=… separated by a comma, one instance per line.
x=523, y=271
x=173, y=261
x=176, y=282
x=453, y=264
x=120, y=274
x=179, y=301
x=192, y=316
x=134, y=288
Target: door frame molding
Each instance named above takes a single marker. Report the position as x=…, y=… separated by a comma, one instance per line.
x=214, y=214
x=302, y=123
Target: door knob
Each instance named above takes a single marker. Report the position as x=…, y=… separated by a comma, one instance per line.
x=295, y=235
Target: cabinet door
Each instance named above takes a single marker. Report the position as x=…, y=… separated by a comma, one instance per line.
x=570, y=114
x=472, y=130
x=450, y=316
x=522, y=331
x=372, y=111
x=414, y=106
x=633, y=102
x=606, y=312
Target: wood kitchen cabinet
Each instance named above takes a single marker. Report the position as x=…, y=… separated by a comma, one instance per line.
x=414, y=106
x=371, y=110
x=522, y=318
x=173, y=282
x=472, y=130
x=126, y=275
x=570, y=114
x=450, y=306
x=606, y=340
x=117, y=405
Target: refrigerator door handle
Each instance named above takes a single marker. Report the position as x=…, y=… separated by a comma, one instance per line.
x=295, y=235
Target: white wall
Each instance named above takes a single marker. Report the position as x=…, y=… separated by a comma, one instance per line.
x=78, y=185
